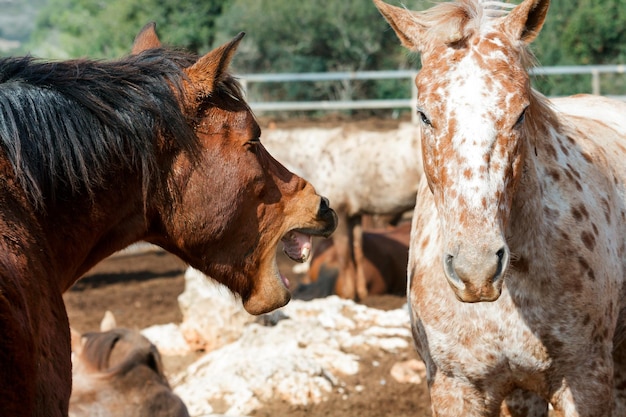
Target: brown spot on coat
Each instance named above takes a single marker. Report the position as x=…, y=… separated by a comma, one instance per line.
x=588, y=239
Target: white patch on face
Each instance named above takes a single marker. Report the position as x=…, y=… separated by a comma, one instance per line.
x=474, y=108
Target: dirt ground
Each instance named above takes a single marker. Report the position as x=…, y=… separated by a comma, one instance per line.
x=141, y=289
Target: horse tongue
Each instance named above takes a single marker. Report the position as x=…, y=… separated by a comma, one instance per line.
x=297, y=246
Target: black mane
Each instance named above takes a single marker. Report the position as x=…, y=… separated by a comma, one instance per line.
x=65, y=125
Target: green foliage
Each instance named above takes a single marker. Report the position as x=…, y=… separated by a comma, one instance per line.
x=106, y=29
x=596, y=32
x=313, y=36
x=310, y=36
x=582, y=32
x=304, y=36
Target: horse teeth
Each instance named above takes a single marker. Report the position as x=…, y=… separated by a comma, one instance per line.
x=306, y=253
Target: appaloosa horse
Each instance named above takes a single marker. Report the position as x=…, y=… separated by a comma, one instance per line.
x=517, y=255
x=159, y=146
x=118, y=372
x=361, y=171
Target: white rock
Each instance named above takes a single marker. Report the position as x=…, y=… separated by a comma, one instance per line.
x=409, y=372
x=212, y=316
x=301, y=359
x=168, y=339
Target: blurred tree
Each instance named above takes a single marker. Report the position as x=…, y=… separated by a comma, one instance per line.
x=596, y=32
x=314, y=36
x=95, y=28
x=323, y=35
x=582, y=32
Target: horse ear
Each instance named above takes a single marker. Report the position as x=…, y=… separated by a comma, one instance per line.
x=146, y=39
x=108, y=322
x=526, y=20
x=403, y=22
x=210, y=68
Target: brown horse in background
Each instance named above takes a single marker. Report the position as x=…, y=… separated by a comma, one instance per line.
x=119, y=372
x=386, y=254
x=159, y=146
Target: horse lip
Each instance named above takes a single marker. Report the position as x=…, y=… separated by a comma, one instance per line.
x=330, y=219
x=325, y=232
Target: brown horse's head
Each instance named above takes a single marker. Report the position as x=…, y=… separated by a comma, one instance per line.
x=226, y=207
x=119, y=372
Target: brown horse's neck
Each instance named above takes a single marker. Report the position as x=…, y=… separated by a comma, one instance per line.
x=82, y=232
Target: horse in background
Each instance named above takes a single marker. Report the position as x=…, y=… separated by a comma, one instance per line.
x=118, y=372
x=517, y=261
x=361, y=172
x=159, y=146
x=386, y=254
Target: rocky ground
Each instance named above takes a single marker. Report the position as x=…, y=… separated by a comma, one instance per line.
x=326, y=357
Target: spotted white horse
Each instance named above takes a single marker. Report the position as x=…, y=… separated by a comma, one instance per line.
x=517, y=257
x=360, y=172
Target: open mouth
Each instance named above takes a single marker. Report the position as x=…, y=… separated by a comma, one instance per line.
x=297, y=246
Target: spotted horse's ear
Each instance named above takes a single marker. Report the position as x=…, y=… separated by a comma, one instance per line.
x=212, y=67
x=404, y=23
x=147, y=38
x=525, y=21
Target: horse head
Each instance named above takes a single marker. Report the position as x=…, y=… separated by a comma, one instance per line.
x=473, y=98
x=118, y=371
x=227, y=206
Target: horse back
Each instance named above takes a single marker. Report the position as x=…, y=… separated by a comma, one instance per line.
x=604, y=120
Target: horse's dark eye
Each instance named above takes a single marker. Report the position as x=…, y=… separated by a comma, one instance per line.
x=424, y=118
x=520, y=119
x=253, y=142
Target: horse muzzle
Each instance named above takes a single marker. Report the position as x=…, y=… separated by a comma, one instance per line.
x=476, y=277
x=326, y=219
x=328, y=216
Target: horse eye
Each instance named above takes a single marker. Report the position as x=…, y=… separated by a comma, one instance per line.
x=424, y=118
x=520, y=119
x=254, y=141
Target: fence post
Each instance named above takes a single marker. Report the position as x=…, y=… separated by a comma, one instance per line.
x=244, y=86
x=595, y=81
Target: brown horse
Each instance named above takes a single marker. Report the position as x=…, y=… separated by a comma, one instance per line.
x=386, y=254
x=118, y=372
x=158, y=146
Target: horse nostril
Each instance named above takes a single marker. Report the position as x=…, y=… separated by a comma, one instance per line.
x=501, y=254
x=324, y=205
x=449, y=268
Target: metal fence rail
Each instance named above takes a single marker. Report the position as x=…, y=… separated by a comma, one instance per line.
x=407, y=103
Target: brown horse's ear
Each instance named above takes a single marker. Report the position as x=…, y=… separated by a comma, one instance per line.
x=146, y=39
x=108, y=322
x=404, y=23
x=526, y=20
x=210, y=68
